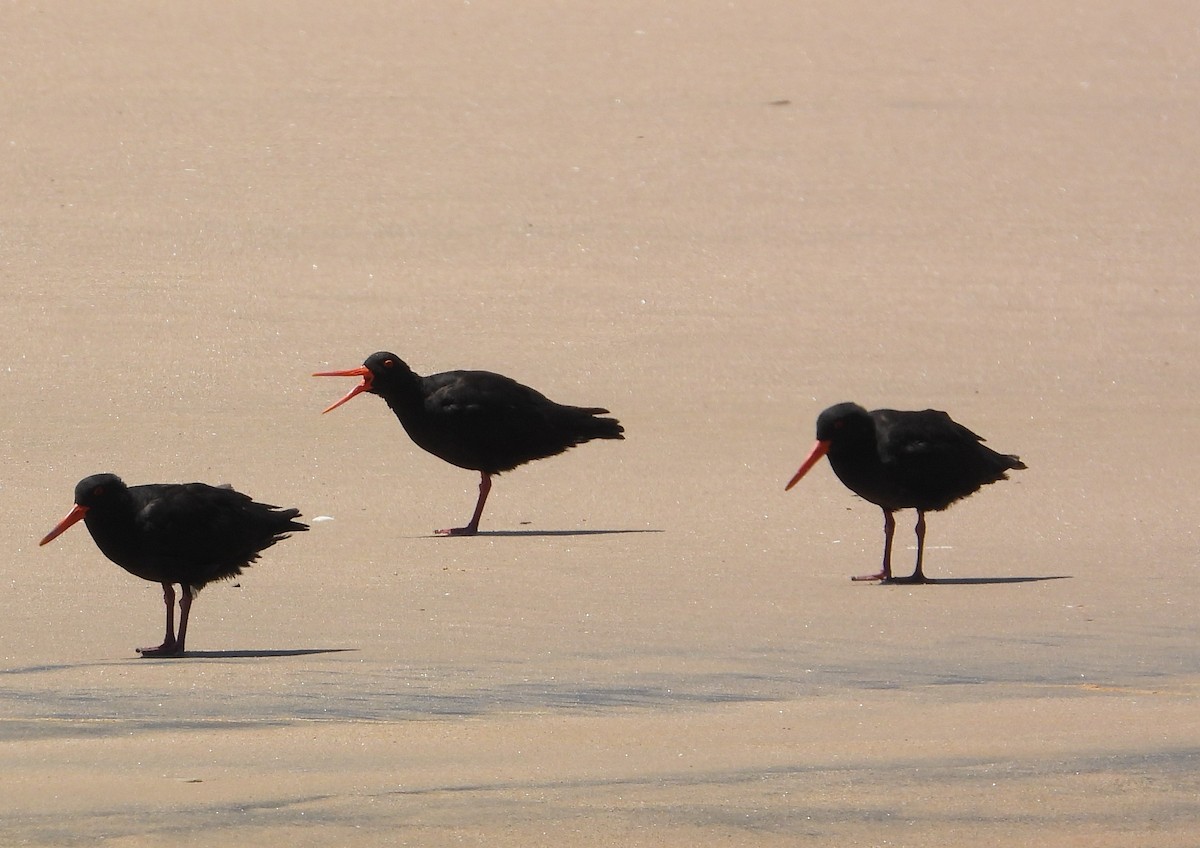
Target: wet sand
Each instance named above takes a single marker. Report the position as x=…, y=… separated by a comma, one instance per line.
x=713, y=219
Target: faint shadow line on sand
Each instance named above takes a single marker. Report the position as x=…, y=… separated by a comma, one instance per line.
x=250, y=653
x=234, y=654
x=548, y=533
x=984, y=581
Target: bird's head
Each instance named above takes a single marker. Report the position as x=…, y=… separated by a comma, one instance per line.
x=378, y=372
x=842, y=420
x=90, y=493
x=834, y=423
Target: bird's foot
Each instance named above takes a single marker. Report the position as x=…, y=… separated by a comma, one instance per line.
x=457, y=531
x=166, y=649
x=910, y=579
x=890, y=580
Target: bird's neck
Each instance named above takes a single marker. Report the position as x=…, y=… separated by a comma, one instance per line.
x=851, y=457
x=404, y=396
x=113, y=532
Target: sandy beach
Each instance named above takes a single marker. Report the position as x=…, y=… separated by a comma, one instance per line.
x=714, y=219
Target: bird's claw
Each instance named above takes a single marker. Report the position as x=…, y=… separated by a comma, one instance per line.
x=457, y=531
x=166, y=649
x=889, y=580
x=911, y=580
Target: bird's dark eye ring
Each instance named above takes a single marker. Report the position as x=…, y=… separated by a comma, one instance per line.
x=98, y=491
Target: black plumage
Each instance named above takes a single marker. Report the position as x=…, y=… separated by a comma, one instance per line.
x=189, y=534
x=899, y=460
x=477, y=420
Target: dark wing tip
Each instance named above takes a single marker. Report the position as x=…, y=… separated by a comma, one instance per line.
x=293, y=525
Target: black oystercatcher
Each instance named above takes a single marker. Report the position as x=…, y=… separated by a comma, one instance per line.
x=896, y=460
x=185, y=533
x=477, y=420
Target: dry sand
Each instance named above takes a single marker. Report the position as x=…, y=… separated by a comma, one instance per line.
x=715, y=218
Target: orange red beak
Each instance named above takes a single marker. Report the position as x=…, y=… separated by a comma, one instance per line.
x=818, y=451
x=360, y=371
x=77, y=512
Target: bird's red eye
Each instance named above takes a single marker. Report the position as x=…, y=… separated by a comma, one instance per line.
x=388, y=363
x=98, y=491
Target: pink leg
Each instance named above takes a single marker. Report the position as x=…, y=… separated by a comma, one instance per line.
x=889, y=530
x=485, y=486
x=918, y=575
x=185, y=607
x=169, y=647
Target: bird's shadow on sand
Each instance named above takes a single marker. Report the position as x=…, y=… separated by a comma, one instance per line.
x=975, y=581
x=500, y=533
x=252, y=654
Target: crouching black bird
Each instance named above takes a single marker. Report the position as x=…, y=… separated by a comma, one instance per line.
x=898, y=460
x=168, y=533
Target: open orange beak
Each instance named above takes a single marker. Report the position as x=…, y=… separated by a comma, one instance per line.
x=818, y=451
x=77, y=512
x=360, y=371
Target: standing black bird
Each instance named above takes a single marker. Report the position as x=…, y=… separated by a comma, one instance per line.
x=476, y=420
x=185, y=533
x=896, y=460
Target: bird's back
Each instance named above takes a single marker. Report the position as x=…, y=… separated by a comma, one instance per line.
x=488, y=422
x=194, y=533
x=934, y=459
